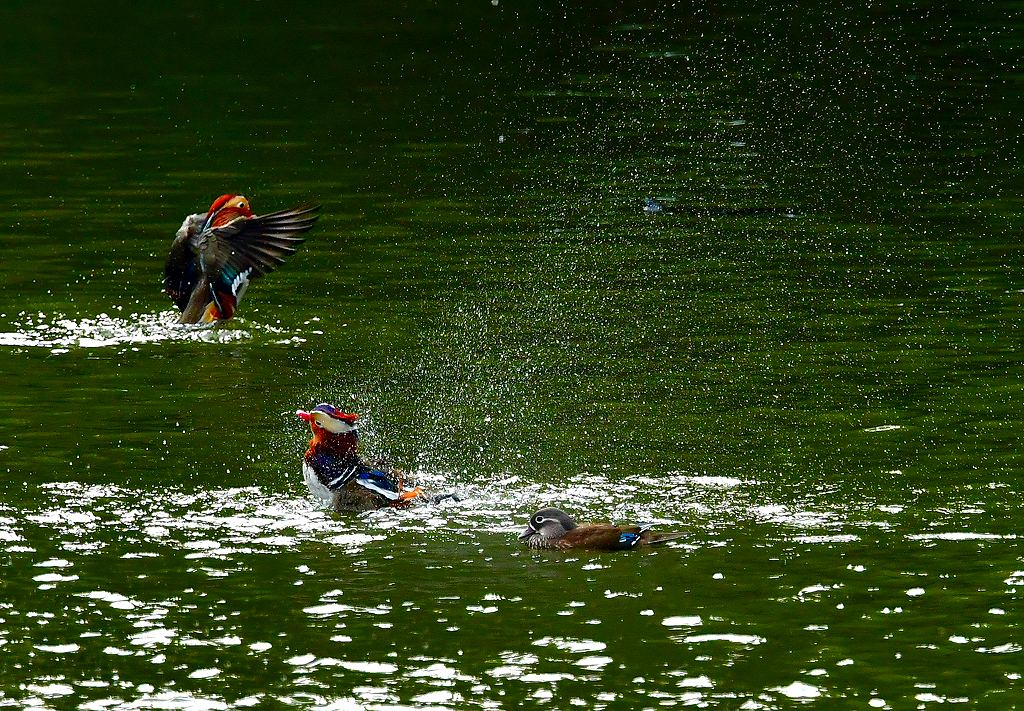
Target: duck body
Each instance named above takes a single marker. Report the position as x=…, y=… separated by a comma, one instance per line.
x=336, y=474
x=216, y=254
x=553, y=529
x=355, y=486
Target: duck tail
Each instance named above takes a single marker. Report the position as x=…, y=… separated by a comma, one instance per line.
x=658, y=538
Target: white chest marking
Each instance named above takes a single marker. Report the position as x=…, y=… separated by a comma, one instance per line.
x=315, y=486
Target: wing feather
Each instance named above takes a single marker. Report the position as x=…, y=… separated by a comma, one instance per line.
x=259, y=243
x=596, y=536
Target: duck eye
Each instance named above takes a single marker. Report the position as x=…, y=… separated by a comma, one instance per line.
x=538, y=519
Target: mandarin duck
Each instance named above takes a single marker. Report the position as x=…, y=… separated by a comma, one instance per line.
x=215, y=255
x=335, y=473
x=553, y=529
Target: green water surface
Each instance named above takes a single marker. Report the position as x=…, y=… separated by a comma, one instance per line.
x=811, y=366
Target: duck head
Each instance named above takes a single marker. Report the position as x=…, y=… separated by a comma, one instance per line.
x=225, y=209
x=332, y=429
x=550, y=524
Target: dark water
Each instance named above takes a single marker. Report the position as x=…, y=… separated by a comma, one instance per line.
x=811, y=367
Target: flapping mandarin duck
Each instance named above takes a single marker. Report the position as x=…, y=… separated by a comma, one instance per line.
x=215, y=255
x=334, y=471
x=553, y=529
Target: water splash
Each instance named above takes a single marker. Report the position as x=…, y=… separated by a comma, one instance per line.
x=61, y=334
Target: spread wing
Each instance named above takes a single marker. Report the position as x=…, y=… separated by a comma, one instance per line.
x=259, y=243
x=244, y=249
x=182, y=272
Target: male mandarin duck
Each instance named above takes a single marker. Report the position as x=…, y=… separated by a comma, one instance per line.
x=334, y=471
x=215, y=255
x=553, y=529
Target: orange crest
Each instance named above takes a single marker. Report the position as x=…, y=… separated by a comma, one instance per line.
x=227, y=208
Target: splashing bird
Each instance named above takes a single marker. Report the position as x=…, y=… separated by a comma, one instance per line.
x=215, y=255
x=335, y=473
x=553, y=529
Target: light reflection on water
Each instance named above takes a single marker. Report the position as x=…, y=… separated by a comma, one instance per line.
x=218, y=522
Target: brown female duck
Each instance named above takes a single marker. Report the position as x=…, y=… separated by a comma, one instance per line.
x=553, y=529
